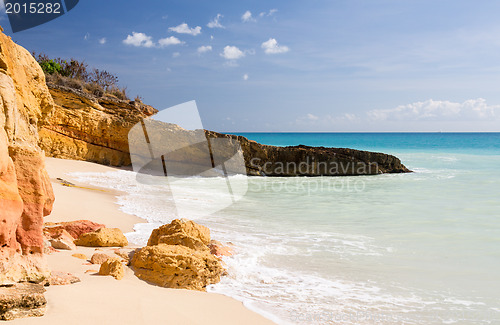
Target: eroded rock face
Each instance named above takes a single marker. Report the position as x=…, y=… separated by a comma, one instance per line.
x=26, y=194
x=92, y=129
x=22, y=300
x=103, y=237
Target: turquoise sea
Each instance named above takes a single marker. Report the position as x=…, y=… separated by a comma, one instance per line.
x=418, y=248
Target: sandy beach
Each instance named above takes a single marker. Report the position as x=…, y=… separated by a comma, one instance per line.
x=104, y=300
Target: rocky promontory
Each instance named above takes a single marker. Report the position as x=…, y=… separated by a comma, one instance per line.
x=85, y=127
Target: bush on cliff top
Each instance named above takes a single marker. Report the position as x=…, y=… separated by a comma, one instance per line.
x=77, y=75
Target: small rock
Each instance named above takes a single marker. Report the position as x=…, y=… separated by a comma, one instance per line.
x=62, y=278
x=91, y=271
x=62, y=240
x=99, y=258
x=81, y=256
x=104, y=237
x=112, y=267
x=218, y=249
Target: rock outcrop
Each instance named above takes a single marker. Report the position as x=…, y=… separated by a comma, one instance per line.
x=22, y=300
x=26, y=194
x=177, y=256
x=83, y=127
x=103, y=237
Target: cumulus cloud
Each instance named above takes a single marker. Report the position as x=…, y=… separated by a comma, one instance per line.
x=184, y=29
x=102, y=40
x=245, y=77
x=139, y=40
x=439, y=110
x=232, y=53
x=271, y=46
x=215, y=23
x=247, y=17
x=172, y=40
x=204, y=48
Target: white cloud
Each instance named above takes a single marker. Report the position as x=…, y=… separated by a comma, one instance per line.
x=102, y=40
x=245, y=77
x=271, y=46
x=172, y=40
x=312, y=117
x=204, y=48
x=176, y=54
x=86, y=37
x=139, y=40
x=184, y=29
x=247, y=17
x=232, y=53
x=438, y=110
x=215, y=23
x=269, y=13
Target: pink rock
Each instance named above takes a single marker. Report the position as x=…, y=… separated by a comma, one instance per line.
x=75, y=228
x=62, y=278
x=219, y=249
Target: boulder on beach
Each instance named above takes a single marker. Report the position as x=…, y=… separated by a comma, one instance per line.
x=175, y=266
x=103, y=237
x=181, y=232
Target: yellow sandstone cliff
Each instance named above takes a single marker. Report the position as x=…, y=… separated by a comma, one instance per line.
x=26, y=194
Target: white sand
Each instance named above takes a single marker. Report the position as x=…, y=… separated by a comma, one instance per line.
x=104, y=300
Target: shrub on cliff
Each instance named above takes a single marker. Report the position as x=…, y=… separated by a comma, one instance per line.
x=76, y=74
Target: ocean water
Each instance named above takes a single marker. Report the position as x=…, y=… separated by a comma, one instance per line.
x=418, y=248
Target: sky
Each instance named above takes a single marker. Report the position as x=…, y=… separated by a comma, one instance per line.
x=287, y=65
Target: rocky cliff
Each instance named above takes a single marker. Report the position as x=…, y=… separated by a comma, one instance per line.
x=25, y=191
x=96, y=129
x=84, y=127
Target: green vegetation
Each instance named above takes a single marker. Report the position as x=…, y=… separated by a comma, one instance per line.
x=76, y=74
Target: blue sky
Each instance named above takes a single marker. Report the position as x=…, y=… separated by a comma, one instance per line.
x=295, y=65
